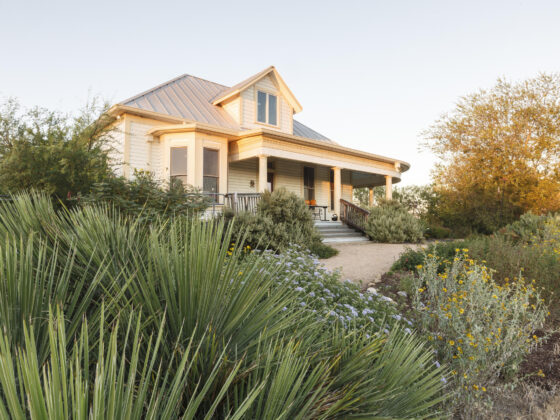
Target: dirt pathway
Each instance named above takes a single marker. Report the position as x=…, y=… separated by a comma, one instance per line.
x=365, y=262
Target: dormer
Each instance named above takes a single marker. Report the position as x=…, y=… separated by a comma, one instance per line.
x=262, y=101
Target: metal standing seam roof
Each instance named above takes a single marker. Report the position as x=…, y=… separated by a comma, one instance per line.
x=191, y=97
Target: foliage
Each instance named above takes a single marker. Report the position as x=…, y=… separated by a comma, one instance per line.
x=322, y=250
x=391, y=222
x=411, y=258
x=480, y=328
x=147, y=197
x=500, y=153
x=434, y=231
x=207, y=319
x=415, y=198
x=62, y=388
x=322, y=292
x=282, y=219
x=52, y=152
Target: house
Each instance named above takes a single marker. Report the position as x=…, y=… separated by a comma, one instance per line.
x=241, y=139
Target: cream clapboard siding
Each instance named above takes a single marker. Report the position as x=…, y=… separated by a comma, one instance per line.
x=233, y=108
x=241, y=174
x=140, y=145
x=249, y=97
x=116, y=144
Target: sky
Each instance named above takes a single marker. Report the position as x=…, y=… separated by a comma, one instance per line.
x=371, y=75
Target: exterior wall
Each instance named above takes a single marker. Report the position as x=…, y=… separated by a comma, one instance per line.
x=249, y=107
x=241, y=174
x=233, y=108
x=116, y=144
x=195, y=143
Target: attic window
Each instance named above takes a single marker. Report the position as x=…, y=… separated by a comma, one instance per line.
x=267, y=108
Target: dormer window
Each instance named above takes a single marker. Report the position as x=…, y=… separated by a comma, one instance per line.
x=267, y=108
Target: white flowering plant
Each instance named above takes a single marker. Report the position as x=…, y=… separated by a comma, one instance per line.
x=325, y=295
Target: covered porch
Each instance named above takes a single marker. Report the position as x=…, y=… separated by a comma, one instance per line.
x=323, y=187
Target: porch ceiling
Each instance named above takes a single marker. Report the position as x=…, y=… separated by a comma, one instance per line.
x=366, y=172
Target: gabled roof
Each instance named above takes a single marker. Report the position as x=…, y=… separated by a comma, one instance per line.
x=238, y=88
x=191, y=98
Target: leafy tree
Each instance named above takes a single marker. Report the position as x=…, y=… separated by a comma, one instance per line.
x=53, y=152
x=500, y=154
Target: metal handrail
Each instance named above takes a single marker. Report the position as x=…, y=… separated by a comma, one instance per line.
x=353, y=215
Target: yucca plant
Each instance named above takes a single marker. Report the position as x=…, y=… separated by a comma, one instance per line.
x=121, y=384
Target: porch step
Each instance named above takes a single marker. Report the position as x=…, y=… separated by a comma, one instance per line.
x=332, y=232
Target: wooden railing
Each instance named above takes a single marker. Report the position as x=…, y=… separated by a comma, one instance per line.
x=242, y=201
x=353, y=215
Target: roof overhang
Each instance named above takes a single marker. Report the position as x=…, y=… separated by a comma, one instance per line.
x=181, y=125
x=284, y=89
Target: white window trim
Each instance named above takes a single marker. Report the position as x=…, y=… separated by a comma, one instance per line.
x=257, y=90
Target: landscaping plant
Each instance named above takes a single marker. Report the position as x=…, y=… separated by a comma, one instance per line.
x=391, y=222
x=481, y=329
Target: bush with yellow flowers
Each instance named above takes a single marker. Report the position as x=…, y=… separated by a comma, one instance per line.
x=481, y=329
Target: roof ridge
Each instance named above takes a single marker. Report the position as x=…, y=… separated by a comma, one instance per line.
x=161, y=85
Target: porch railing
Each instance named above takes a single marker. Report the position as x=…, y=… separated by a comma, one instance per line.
x=242, y=201
x=353, y=215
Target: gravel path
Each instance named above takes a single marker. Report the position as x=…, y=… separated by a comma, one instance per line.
x=365, y=262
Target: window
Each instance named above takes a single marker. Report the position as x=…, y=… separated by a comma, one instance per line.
x=270, y=181
x=211, y=171
x=308, y=183
x=267, y=108
x=178, y=164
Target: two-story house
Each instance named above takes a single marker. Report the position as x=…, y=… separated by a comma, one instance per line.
x=241, y=139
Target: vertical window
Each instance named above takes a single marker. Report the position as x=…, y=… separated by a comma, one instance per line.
x=261, y=105
x=267, y=108
x=332, y=188
x=308, y=183
x=178, y=164
x=210, y=171
x=270, y=181
x=272, y=111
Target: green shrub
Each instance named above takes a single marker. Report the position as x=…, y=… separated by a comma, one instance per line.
x=481, y=329
x=411, y=259
x=391, y=222
x=282, y=219
x=437, y=232
x=322, y=250
x=147, y=197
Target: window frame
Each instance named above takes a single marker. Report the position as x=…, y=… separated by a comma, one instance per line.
x=204, y=175
x=267, y=93
x=309, y=188
x=178, y=175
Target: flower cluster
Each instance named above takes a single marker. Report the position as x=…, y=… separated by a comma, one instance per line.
x=480, y=328
x=322, y=292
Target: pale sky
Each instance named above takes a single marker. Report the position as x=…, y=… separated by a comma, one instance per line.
x=369, y=74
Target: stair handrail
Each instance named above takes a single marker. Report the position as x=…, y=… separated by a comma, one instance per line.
x=353, y=215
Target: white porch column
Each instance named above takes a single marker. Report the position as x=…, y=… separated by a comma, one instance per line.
x=263, y=170
x=337, y=190
x=371, y=196
x=388, y=187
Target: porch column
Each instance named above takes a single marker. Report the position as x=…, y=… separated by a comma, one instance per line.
x=370, y=196
x=388, y=187
x=337, y=193
x=263, y=169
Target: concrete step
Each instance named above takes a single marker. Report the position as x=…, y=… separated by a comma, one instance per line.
x=341, y=234
x=345, y=239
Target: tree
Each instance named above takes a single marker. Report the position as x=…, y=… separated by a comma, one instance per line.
x=499, y=152
x=49, y=151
